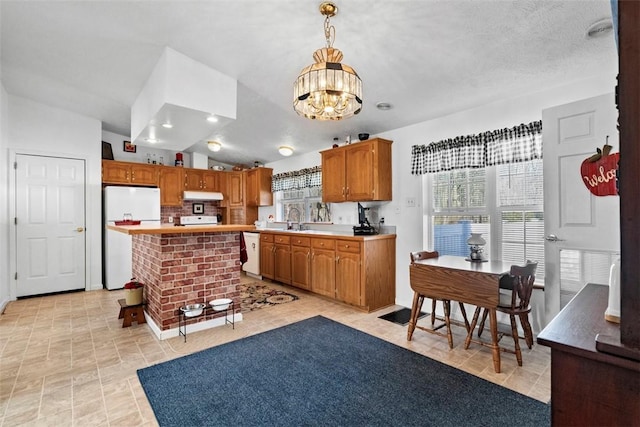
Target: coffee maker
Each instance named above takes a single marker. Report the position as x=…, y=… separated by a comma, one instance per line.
x=365, y=228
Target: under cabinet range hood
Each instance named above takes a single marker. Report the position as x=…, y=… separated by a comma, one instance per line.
x=202, y=195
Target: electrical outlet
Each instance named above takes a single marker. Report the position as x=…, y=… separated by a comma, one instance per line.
x=397, y=210
x=411, y=202
x=170, y=220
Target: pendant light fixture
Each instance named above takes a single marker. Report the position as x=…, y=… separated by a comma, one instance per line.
x=327, y=89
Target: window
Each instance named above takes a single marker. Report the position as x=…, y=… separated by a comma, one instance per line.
x=303, y=205
x=466, y=200
x=459, y=208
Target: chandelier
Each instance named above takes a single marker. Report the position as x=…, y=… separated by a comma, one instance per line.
x=327, y=90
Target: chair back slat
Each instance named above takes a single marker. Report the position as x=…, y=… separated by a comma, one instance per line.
x=523, y=278
x=417, y=256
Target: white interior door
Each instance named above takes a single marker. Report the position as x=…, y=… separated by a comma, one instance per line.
x=582, y=231
x=50, y=221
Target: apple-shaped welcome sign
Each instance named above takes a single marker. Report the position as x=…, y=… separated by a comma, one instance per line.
x=599, y=172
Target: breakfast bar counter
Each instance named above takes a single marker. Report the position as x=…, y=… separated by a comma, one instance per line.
x=182, y=265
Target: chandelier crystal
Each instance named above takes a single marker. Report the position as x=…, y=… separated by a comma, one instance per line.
x=327, y=89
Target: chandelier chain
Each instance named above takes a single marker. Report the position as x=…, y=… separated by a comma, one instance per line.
x=329, y=32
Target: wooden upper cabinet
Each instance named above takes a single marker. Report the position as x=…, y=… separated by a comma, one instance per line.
x=357, y=172
x=258, y=182
x=171, y=185
x=235, y=189
x=202, y=180
x=115, y=172
x=333, y=175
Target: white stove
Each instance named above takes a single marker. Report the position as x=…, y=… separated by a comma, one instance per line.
x=198, y=220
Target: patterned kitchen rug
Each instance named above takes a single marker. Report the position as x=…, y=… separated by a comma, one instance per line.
x=254, y=296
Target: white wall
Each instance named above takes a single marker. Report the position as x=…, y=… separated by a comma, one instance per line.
x=38, y=129
x=142, y=152
x=4, y=205
x=409, y=220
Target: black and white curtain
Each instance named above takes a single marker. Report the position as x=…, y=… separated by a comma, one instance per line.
x=517, y=144
x=297, y=180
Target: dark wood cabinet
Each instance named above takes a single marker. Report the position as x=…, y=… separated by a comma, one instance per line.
x=588, y=386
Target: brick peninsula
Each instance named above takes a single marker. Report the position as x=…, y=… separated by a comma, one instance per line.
x=182, y=265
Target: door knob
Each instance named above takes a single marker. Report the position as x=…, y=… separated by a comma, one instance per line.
x=553, y=238
x=80, y=229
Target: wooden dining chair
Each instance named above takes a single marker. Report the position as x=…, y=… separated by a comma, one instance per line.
x=418, y=300
x=516, y=302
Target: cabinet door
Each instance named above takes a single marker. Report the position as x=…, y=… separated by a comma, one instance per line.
x=115, y=172
x=211, y=181
x=359, y=172
x=171, y=186
x=348, y=277
x=323, y=272
x=252, y=188
x=301, y=267
x=142, y=174
x=333, y=175
x=235, y=189
x=258, y=186
x=267, y=259
x=192, y=179
x=282, y=263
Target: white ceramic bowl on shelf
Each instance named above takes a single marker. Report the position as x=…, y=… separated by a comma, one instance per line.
x=192, y=310
x=221, y=304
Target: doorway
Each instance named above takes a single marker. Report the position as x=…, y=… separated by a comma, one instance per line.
x=49, y=224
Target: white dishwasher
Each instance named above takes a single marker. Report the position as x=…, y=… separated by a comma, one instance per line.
x=252, y=266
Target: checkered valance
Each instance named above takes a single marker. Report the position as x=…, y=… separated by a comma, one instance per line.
x=296, y=180
x=518, y=144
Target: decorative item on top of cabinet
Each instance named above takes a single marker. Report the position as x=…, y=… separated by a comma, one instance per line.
x=116, y=172
x=357, y=172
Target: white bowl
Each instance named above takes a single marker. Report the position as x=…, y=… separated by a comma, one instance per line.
x=221, y=304
x=192, y=310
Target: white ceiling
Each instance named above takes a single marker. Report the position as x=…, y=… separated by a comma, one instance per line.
x=427, y=58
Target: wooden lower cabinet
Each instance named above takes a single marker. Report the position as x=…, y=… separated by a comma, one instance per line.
x=267, y=256
x=282, y=259
x=359, y=271
x=323, y=267
x=348, y=272
x=301, y=262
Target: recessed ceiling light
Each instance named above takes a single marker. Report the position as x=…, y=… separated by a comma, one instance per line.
x=151, y=140
x=212, y=119
x=167, y=125
x=383, y=106
x=285, y=150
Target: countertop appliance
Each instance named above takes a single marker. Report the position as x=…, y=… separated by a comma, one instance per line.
x=252, y=266
x=198, y=220
x=129, y=203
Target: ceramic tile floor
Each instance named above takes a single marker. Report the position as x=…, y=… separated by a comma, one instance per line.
x=65, y=360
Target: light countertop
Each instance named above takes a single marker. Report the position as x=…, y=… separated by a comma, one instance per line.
x=176, y=229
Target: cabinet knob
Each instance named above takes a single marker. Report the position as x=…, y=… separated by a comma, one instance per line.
x=346, y=246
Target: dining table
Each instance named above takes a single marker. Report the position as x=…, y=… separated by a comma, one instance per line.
x=456, y=278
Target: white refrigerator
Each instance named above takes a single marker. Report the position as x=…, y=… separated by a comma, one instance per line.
x=142, y=204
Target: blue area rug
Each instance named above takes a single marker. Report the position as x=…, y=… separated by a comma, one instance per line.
x=320, y=372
